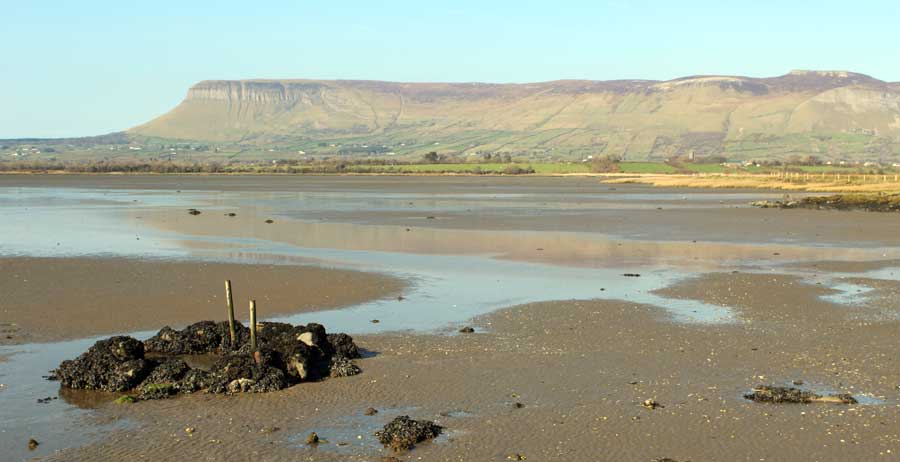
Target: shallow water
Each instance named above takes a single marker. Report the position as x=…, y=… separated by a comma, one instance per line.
x=454, y=275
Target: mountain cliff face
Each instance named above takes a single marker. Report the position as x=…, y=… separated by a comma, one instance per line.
x=832, y=113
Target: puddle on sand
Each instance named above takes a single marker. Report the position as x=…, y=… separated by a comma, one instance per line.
x=848, y=293
x=448, y=290
x=56, y=424
x=47, y=222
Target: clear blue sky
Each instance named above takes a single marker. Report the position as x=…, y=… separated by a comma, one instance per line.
x=73, y=68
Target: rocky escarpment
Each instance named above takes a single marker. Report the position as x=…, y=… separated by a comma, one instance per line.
x=258, y=92
x=631, y=118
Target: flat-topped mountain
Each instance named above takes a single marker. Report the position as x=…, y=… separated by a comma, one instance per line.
x=829, y=113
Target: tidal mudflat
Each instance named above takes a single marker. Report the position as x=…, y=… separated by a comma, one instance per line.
x=586, y=299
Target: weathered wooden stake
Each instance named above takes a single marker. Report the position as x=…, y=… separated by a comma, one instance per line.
x=230, y=302
x=253, y=325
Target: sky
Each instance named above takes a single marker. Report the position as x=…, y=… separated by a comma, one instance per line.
x=90, y=67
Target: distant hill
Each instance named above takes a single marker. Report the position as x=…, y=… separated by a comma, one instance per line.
x=827, y=113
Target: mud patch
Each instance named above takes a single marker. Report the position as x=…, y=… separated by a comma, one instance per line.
x=791, y=395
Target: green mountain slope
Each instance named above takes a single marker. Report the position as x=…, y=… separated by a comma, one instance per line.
x=832, y=114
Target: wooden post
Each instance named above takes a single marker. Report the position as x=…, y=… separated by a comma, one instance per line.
x=253, y=325
x=230, y=301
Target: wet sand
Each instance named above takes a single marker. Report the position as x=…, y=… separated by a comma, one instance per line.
x=554, y=204
x=581, y=369
x=49, y=299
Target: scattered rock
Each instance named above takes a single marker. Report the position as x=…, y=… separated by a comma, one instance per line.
x=651, y=404
x=518, y=405
x=230, y=214
x=778, y=395
x=189, y=430
x=46, y=400
x=403, y=433
x=467, y=330
x=33, y=444
x=516, y=456
x=371, y=411
x=312, y=438
x=194, y=212
x=270, y=221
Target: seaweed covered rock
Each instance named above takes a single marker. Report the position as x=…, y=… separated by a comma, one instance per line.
x=771, y=394
x=157, y=391
x=342, y=345
x=300, y=361
x=164, y=381
x=262, y=371
x=314, y=335
x=169, y=370
x=342, y=367
x=304, y=350
x=867, y=202
x=113, y=364
x=198, y=338
x=403, y=433
x=285, y=355
x=195, y=380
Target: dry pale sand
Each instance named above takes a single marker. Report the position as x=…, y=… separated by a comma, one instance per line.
x=581, y=369
x=45, y=299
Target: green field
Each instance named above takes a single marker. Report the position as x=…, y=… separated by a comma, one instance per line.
x=646, y=167
x=493, y=167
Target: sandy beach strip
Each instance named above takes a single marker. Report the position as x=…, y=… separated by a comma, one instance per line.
x=48, y=299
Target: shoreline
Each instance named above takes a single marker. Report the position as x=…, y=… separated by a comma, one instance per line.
x=49, y=299
x=713, y=181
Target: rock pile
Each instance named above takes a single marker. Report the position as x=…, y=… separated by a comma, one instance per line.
x=285, y=355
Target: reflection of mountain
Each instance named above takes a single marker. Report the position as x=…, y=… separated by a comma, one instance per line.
x=566, y=248
x=803, y=112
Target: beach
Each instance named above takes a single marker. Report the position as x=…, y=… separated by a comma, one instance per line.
x=587, y=300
